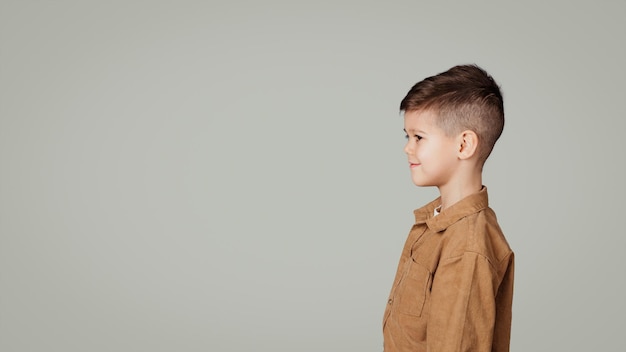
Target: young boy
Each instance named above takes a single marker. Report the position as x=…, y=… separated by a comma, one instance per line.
x=454, y=286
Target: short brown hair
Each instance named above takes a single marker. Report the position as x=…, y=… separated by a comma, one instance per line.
x=465, y=97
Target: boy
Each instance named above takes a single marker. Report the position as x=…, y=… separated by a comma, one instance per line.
x=454, y=286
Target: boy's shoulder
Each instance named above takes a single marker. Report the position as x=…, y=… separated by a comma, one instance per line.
x=485, y=237
x=471, y=226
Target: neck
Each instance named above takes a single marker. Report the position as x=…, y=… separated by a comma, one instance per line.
x=453, y=192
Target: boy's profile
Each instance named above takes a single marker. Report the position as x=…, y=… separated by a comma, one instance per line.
x=453, y=290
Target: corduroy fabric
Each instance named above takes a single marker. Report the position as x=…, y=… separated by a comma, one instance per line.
x=453, y=289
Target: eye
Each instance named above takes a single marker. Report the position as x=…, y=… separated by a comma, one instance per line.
x=417, y=137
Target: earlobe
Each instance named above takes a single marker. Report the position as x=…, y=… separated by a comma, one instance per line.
x=469, y=144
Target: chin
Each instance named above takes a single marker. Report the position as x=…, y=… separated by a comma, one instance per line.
x=422, y=183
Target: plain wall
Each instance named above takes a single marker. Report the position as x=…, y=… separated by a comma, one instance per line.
x=229, y=176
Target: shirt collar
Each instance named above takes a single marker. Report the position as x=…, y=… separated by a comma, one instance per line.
x=466, y=206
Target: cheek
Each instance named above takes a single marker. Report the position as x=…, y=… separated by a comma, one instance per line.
x=423, y=152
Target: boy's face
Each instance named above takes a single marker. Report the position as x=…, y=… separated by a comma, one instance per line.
x=432, y=154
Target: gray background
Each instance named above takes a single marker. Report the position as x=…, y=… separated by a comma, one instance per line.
x=229, y=176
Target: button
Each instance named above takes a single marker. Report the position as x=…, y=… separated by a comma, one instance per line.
x=390, y=301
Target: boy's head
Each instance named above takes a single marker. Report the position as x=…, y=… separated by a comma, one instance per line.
x=464, y=98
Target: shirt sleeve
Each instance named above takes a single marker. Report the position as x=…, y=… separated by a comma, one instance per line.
x=464, y=305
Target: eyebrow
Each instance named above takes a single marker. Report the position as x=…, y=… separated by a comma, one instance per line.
x=414, y=131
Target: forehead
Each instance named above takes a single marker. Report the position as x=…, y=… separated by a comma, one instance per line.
x=419, y=119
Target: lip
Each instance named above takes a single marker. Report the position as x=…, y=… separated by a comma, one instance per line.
x=412, y=165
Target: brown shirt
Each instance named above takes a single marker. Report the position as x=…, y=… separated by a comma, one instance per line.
x=454, y=285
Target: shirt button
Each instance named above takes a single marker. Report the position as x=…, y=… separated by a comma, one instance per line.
x=390, y=300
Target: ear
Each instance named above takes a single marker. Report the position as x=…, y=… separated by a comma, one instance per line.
x=468, y=144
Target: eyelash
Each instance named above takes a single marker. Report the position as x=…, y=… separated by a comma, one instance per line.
x=418, y=137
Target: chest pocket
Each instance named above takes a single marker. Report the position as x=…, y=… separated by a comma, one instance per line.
x=414, y=289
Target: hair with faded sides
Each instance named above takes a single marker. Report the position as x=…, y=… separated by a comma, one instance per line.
x=464, y=98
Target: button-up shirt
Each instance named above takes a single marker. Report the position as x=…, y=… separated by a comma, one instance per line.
x=453, y=290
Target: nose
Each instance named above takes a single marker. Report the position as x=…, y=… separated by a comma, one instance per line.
x=408, y=147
